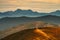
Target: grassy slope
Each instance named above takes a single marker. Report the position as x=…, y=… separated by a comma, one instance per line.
x=28, y=34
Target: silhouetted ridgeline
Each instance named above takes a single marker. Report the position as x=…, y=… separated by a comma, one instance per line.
x=28, y=13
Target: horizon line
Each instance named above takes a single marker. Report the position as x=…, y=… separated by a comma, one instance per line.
x=27, y=10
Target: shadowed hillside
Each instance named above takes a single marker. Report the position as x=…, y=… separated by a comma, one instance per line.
x=9, y=22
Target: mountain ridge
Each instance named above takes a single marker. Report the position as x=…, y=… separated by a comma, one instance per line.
x=8, y=22
x=28, y=13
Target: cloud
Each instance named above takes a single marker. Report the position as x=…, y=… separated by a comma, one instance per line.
x=37, y=5
x=49, y=1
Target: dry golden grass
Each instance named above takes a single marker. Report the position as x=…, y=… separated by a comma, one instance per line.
x=33, y=34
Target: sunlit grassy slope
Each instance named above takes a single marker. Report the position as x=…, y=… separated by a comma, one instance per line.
x=32, y=34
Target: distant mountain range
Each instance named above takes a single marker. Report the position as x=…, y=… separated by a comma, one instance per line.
x=9, y=22
x=28, y=13
x=12, y=18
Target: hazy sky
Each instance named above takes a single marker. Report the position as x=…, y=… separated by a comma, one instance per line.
x=36, y=5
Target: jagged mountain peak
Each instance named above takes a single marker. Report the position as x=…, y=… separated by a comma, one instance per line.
x=18, y=10
x=57, y=10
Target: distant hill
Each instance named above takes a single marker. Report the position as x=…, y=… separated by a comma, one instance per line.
x=57, y=13
x=9, y=22
x=19, y=13
x=28, y=13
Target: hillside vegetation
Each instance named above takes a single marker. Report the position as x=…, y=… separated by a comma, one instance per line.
x=27, y=32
